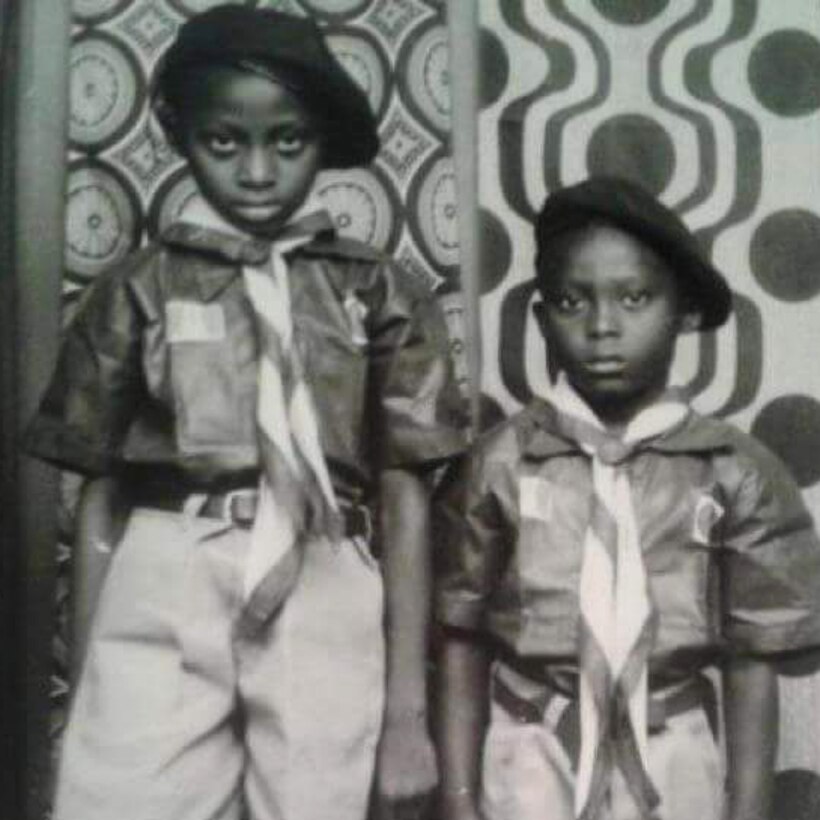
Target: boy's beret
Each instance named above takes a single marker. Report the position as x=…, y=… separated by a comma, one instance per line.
x=232, y=34
x=629, y=207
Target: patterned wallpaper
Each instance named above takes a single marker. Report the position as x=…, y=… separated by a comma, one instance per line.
x=714, y=105
x=125, y=184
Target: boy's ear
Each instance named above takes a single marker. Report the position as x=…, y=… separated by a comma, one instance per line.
x=168, y=118
x=539, y=310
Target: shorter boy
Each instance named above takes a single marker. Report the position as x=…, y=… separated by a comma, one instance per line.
x=606, y=546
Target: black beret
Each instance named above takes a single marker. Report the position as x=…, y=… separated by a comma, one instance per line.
x=233, y=34
x=632, y=209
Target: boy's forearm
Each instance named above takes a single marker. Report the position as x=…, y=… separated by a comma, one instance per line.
x=405, y=532
x=751, y=710
x=462, y=723
x=99, y=527
x=406, y=762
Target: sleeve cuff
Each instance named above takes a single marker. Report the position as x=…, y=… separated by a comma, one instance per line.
x=463, y=610
x=422, y=446
x=757, y=638
x=65, y=447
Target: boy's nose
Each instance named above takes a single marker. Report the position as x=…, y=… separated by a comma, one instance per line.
x=603, y=319
x=258, y=167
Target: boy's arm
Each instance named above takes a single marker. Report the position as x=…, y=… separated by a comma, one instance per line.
x=751, y=712
x=462, y=722
x=406, y=763
x=100, y=521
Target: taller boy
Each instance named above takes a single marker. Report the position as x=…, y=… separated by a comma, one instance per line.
x=248, y=389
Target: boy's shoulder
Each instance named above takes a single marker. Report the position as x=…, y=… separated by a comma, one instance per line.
x=703, y=432
x=529, y=431
x=743, y=463
x=136, y=271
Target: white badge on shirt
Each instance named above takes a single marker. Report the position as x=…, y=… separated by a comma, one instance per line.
x=194, y=322
x=535, y=497
x=707, y=513
x=356, y=312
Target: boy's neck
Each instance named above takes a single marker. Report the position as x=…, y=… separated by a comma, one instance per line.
x=617, y=413
x=200, y=212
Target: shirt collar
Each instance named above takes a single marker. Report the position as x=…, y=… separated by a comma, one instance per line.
x=203, y=230
x=543, y=438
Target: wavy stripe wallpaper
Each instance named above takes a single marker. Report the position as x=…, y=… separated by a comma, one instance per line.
x=714, y=105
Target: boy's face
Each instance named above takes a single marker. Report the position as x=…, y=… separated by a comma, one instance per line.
x=252, y=147
x=611, y=315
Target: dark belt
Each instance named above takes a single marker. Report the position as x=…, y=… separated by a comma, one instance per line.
x=239, y=507
x=696, y=692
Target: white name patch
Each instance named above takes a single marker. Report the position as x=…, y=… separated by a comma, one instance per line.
x=194, y=322
x=535, y=498
x=356, y=315
x=707, y=513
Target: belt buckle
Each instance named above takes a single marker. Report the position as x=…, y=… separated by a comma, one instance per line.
x=357, y=521
x=228, y=512
x=367, y=518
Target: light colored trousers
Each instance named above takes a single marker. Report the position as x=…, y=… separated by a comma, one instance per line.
x=176, y=718
x=527, y=774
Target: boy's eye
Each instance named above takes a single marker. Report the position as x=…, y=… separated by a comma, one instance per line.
x=568, y=303
x=221, y=144
x=292, y=142
x=636, y=299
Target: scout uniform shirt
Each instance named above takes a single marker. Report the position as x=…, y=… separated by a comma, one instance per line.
x=731, y=558
x=158, y=372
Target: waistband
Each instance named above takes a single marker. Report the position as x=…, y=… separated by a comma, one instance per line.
x=529, y=701
x=239, y=507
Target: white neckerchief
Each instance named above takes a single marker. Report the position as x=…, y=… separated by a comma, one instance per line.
x=287, y=422
x=614, y=602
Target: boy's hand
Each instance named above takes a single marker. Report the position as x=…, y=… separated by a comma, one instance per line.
x=406, y=771
x=460, y=807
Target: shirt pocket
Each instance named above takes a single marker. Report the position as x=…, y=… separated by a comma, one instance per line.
x=681, y=548
x=213, y=357
x=553, y=510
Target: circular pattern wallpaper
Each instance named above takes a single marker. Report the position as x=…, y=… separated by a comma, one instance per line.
x=115, y=50
x=105, y=93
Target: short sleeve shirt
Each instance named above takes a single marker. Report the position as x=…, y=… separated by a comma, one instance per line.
x=732, y=560
x=158, y=369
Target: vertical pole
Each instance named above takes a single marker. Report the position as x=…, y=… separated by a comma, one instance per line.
x=11, y=770
x=462, y=21
x=39, y=163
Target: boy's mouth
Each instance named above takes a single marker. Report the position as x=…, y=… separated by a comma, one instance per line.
x=605, y=365
x=258, y=211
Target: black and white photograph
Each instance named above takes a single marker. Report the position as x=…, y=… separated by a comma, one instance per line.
x=409, y=410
